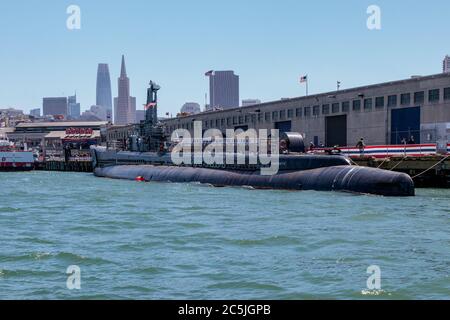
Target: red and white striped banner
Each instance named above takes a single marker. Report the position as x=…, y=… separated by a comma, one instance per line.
x=386, y=151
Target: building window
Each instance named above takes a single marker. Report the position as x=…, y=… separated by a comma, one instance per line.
x=325, y=109
x=235, y=120
x=290, y=113
x=253, y=117
x=346, y=106
x=335, y=108
x=356, y=105
x=447, y=94
x=267, y=116
x=282, y=114
x=241, y=119
x=307, y=111
x=222, y=122
x=260, y=116
x=419, y=97
x=316, y=111
x=379, y=102
x=368, y=104
x=274, y=115
x=247, y=119
x=405, y=99
x=212, y=124
x=433, y=95
x=206, y=124
x=392, y=101
x=228, y=121
x=298, y=112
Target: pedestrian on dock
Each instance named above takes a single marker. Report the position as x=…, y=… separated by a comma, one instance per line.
x=361, y=146
x=412, y=140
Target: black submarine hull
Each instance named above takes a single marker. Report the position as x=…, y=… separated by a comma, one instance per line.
x=335, y=178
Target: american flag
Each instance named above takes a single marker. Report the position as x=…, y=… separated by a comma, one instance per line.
x=150, y=105
x=303, y=79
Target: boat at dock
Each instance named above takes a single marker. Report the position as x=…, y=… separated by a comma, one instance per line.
x=148, y=159
x=12, y=159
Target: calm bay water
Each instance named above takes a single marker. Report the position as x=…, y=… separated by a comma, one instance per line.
x=186, y=241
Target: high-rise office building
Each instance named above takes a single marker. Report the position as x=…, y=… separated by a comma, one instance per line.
x=124, y=104
x=100, y=112
x=140, y=115
x=73, y=108
x=446, y=65
x=35, y=112
x=54, y=106
x=223, y=89
x=104, y=95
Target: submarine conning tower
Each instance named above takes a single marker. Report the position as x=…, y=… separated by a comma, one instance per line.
x=150, y=130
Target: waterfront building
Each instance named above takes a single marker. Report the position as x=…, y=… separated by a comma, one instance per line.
x=250, y=102
x=385, y=113
x=35, y=112
x=446, y=64
x=190, y=108
x=104, y=95
x=124, y=104
x=223, y=90
x=54, y=106
x=35, y=133
x=117, y=135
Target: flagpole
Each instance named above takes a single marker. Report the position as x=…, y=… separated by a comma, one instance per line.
x=307, y=83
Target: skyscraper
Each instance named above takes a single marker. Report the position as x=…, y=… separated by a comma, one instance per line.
x=124, y=104
x=73, y=108
x=446, y=65
x=223, y=89
x=35, y=112
x=54, y=106
x=104, y=95
x=140, y=115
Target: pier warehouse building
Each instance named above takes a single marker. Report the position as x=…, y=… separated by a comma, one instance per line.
x=383, y=114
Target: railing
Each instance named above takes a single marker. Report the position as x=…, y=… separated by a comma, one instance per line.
x=387, y=151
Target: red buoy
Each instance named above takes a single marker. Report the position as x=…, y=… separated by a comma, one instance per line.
x=140, y=179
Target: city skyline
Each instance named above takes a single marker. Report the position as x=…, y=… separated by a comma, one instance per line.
x=297, y=39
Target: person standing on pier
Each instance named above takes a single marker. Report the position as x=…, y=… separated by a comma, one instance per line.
x=361, y=146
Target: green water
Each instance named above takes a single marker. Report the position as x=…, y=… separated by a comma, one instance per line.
x=186, y=241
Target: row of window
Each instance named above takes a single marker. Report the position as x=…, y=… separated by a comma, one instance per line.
x=344, y=107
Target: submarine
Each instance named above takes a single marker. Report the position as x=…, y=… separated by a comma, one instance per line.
x=149, y=158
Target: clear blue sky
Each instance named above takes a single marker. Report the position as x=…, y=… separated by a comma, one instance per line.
x=268, y=43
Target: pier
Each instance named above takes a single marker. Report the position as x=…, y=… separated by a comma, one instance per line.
x=70, y=166
x=426, y=171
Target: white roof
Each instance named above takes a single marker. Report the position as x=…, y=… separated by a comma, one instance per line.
x=63, y=135
x=68, y=124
